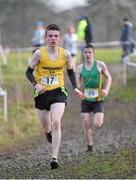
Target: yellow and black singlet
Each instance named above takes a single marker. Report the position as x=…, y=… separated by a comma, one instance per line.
x=50, y=72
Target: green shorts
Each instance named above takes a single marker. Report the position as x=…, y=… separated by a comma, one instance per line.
x=88, y=106
x=45, y=100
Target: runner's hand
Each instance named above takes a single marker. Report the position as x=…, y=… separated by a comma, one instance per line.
x=40, y=88
x=104, y=92
x=79, y=93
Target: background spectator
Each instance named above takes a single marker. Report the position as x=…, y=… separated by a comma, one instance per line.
x=70, y=41
x=38, y=39
x=126, y=37
x=81, y=25
x=88, y=31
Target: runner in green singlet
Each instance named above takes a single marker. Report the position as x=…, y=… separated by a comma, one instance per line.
x=91, y=74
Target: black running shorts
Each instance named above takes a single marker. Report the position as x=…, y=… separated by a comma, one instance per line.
x=44, y=101
x=89, y=106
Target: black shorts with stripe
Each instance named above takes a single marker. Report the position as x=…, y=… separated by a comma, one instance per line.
x=89, y=106
x=45, y=100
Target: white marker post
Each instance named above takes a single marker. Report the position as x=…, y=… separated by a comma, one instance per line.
x=3, y=93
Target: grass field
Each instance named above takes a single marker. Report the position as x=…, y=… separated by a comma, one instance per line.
x=23, y=121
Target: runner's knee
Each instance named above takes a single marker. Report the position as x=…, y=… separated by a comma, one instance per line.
x=98, y=123
x=56, y=124
x=86, y=123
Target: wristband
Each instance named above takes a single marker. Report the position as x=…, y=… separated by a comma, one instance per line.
x=34, y=83
x=77, y=90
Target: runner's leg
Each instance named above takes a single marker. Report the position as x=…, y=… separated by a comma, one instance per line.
x=98, y=119
x=45, y=119
x=57, y=111
x=87, y=128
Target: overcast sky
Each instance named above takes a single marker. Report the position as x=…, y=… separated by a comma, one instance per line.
x=62, y=5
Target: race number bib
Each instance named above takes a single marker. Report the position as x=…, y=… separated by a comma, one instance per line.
x=51, y=80
x=91, y=93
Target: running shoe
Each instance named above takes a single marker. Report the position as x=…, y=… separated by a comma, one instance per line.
x=54, y=163
x=89, y=148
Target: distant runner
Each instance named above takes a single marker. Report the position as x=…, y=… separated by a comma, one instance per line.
x=91, y=74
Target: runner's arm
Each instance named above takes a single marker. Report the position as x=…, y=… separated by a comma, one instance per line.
x=31, y=67
x=78, y=76
x=71, y=72
x=107, y=74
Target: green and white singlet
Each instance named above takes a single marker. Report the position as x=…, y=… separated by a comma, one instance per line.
x=93, y=83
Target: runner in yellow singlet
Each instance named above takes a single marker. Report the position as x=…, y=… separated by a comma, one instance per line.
x=49, y=89
x=91, y=73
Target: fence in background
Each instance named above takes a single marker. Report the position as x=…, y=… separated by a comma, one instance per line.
x=127, y=63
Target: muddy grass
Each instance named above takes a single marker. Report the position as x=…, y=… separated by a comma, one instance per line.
x=114, y=153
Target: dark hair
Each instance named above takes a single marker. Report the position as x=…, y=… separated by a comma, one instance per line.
x=53, y=27
x=89, y=45
x=87, y=20
x=125, y=19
